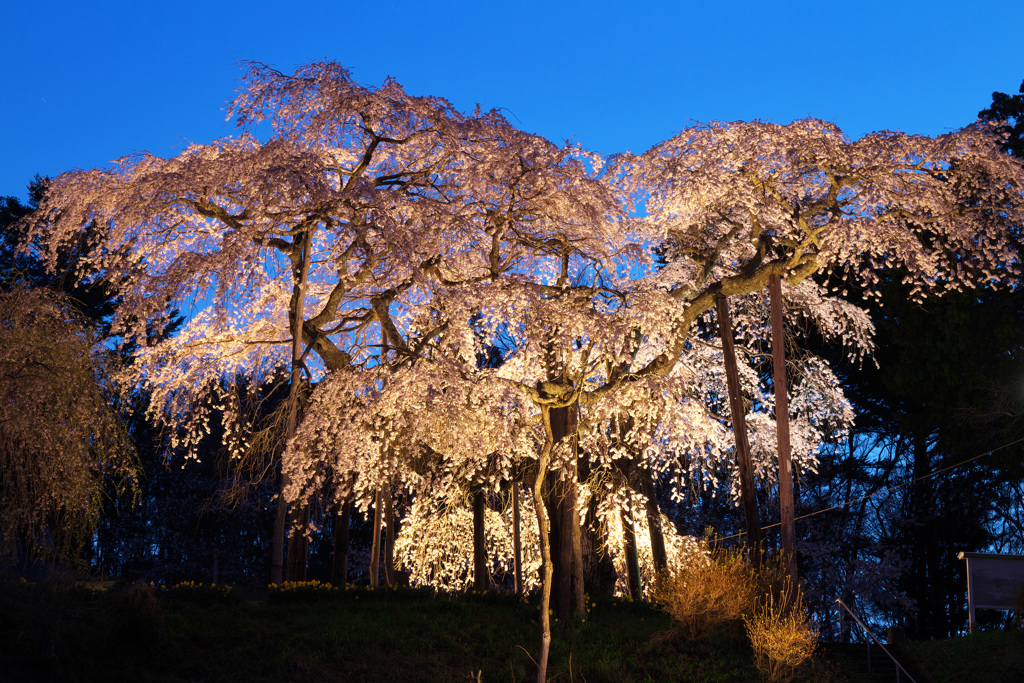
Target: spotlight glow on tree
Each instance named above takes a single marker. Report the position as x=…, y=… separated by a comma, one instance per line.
x=409, y=241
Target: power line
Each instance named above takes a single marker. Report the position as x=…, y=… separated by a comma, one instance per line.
x=884, y=490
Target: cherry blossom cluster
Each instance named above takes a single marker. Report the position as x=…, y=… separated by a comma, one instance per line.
x=465, y=279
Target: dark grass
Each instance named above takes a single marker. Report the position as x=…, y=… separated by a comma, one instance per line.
x=986, y=657
x=54, y=632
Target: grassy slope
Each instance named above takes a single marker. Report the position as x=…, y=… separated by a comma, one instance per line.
x=53, y=632
x=56, y=633
x=987, y=657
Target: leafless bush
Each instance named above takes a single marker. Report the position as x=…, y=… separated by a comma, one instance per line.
x=710, y=594
x=781, y=634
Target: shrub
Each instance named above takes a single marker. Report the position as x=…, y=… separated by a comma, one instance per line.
x=710, y=594
x=204, y=593
x=1017, y=608
x=781, y=635
x=133, y=616
x=302, y=591
x=719, y=592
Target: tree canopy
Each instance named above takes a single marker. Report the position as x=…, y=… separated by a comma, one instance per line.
x=61, y=442
x=407, y=240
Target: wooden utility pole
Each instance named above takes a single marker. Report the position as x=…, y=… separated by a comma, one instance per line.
x=517, y=543
x=739, y=428
x=782, y=429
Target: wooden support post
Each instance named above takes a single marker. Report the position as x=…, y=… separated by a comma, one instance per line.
x=782, y=430
x=517, y=542
x=739, y=427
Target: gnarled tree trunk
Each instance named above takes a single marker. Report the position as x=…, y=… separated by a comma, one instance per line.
x=632, y=556
x=660, y=557
x=567, y=553
x=481, y=580
x=339, y=564
x=300, y=254
x=277, y=539
x=298, y=545
x=375, y=544
x=390, y=578
x=579, y=590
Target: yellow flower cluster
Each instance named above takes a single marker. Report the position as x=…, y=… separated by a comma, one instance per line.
x=92, y=588
x=302, y=586
x=198, y=589
x=588, y=603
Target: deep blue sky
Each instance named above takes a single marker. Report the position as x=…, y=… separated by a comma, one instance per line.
x=87, y=82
